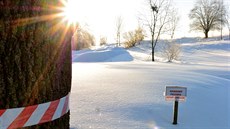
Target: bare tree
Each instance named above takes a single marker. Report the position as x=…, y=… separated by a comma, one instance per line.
x=173, y=22
x=139, y=34
x=130, y=39
x=228, y=25
x=207, y=15
x=133, y=37
x=227, y=21
x=119, y=23
x=222, y=20
x=103, y=40
x=82, y=39
x=171, y=50
x=157, y=19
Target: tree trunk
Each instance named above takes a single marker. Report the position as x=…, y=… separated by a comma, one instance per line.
x=153, y=59
x=35, y=56
x=153, y=49
x=206, y=34
x=229, y=34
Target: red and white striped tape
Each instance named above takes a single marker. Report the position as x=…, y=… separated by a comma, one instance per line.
x=33, y=115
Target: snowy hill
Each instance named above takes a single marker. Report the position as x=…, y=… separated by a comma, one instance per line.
x=105, y=54
x=121, y=89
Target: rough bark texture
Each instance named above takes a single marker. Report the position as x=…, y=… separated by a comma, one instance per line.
x=35, y=56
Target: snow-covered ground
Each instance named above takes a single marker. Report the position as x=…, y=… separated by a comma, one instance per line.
x=115, y=88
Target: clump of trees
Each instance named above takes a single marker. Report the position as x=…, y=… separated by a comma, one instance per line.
x=227, y=19
x=133, y=37
x=207, y=15
x=82, y=39
x=130, y=39
x=139, y=34
x=103, y=40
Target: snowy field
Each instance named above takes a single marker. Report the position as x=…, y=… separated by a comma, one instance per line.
x=116, y=88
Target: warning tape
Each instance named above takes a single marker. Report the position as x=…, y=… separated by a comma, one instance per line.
x=33, y=115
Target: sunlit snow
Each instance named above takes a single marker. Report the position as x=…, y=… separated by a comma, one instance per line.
x=117, y=88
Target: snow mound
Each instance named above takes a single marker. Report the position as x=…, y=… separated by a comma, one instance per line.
x=106, y=54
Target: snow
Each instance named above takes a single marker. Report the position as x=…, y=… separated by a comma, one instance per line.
x=117, y=88
x=106, y=54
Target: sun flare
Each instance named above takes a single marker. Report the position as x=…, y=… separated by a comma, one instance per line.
x=70, y=11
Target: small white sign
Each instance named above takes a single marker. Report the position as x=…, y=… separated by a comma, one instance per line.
x=175, y=93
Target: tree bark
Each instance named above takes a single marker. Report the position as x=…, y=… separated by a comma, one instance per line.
x=153, y=48
x=153, y=59
x=206, y=34
x=35, y=56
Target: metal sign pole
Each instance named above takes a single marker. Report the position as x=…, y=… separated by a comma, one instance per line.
x=176, y=94
x=175, y=112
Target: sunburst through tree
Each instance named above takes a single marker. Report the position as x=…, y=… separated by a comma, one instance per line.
x=35, y=54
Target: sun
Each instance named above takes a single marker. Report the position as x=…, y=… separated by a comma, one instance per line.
x=70, y=11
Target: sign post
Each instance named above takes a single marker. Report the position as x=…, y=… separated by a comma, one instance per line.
x=175, y=112
x=176, y=94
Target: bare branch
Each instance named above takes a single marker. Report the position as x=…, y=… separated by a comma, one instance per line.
x=207, y=15
x=118, y=30
x=157, y=20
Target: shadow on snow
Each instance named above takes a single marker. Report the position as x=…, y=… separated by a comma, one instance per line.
x=108, y=54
